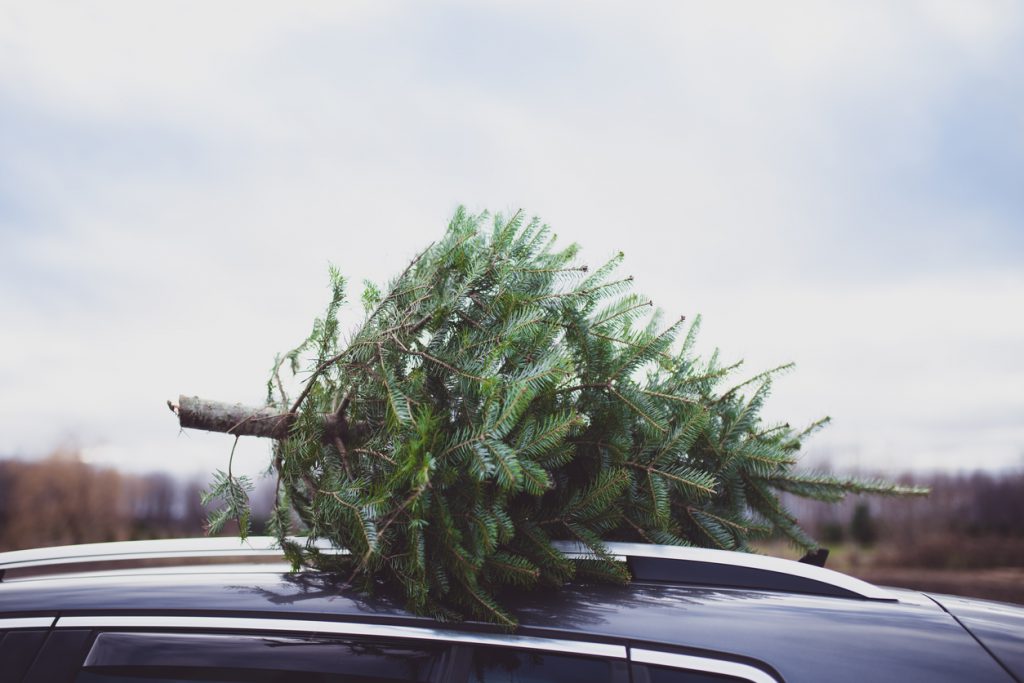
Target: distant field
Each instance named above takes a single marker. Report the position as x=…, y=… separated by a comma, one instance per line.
x=891, y=565
x=1005, y=585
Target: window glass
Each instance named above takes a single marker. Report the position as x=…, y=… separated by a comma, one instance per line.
x=201, y=675
x=155, y=674
x=163, y=657
x=17, y=650
x=505, y=665
x=168, y=674
x=661, y=674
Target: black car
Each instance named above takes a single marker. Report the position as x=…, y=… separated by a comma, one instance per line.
x=689, y=616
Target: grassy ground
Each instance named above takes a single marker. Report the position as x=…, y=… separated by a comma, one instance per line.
x=882, y=565
x=1005, y=584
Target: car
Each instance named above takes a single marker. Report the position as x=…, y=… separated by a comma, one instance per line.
x=80, y=613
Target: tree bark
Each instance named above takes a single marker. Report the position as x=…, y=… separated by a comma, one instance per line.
x=242, y=420
x=231, y=418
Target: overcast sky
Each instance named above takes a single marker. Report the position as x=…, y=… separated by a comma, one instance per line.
x=840, y=185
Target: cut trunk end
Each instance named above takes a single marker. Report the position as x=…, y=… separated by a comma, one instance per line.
x=231, y=418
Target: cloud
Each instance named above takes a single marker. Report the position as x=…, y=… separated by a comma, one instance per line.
x=830, y=184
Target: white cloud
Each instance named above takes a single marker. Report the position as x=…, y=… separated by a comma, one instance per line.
x=189, y=170
x=920, y=374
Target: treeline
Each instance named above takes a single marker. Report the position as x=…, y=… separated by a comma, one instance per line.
x=62, y=500
x=969, y=520
x=978, y=503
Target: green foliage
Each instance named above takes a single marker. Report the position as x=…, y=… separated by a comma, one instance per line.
x=499, y=396
x=233, y=495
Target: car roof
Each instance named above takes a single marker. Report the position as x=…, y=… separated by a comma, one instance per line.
x=800, y=635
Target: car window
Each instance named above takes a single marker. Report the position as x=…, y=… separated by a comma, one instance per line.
x=145, y=657
x=507, y=665
x=17, y=650
x=660, y=674
x=205, y=675
x=650, y=666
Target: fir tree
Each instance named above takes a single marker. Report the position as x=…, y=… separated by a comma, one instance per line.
x=498, y=396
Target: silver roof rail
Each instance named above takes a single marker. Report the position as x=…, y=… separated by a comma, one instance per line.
x=646, y=561
x=170, y=548
x=705, y=566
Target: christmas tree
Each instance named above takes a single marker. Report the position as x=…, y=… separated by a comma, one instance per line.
x=499, y=396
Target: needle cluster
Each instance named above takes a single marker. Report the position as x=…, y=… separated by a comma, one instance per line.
x=500, y=395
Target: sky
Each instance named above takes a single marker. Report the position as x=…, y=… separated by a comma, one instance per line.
x=836, y=184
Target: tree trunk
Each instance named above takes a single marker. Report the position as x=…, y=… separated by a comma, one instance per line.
x=231, y=418
x=242, y=420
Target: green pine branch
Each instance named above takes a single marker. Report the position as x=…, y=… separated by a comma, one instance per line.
x=499, y=395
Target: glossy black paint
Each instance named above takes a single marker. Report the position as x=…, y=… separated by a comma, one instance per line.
x=17, y=652
x=999, y=627
x=804, y=638
x=59, y=658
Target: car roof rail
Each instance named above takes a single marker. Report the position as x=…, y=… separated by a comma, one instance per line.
x=253, y=547
x=646, y=562
x=729, y=569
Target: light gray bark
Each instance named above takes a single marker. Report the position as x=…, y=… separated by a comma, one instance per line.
x=242, y=420
x=231, y=418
